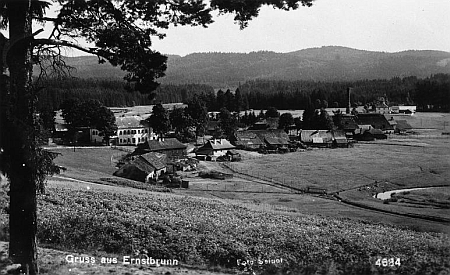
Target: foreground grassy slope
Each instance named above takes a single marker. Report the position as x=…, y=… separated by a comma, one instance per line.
x=206, y=232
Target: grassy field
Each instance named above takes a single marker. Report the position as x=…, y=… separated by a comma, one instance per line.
x=311, y=168
x=88, y=163
x=348, y=168
x=435, y=198
x=103, y=221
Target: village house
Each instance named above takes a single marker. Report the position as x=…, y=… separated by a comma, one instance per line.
x=171, y=147
x=143, y=168
x=377, y=121
x=271, y=139
x=265, y=124
x=324, y=138
x=402, y=127
x=213, y=149
x=402, y=109
x=131, y=130
x=247, y=140
x=349, y=125
x=317, y=138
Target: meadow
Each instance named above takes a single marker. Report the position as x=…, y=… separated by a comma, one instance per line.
x=203, y=232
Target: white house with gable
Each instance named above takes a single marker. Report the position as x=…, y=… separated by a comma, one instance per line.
x=131, y=130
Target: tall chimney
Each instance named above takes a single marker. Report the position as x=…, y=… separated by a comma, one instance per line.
x=349, y=106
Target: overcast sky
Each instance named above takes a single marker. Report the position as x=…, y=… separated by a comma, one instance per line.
x=377, y=25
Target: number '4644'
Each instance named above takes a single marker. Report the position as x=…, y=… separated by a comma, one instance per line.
x=385, y=262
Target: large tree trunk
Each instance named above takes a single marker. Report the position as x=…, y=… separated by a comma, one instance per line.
x=22, y=218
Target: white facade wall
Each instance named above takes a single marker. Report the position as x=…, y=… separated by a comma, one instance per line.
x=134, y=136
x=127, y=136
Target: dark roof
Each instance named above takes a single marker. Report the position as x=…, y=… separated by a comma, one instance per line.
x=260, y=137
x=377, y=121
x=321, y=136
x=374, y=131
x=142, y=165
x=129, y=122
x=268, y=123
x=348, y=123
x=163, y=145
x=137, y=169
x=403, y=125
x=247, y=138
x=218, y=144
x=155, y=160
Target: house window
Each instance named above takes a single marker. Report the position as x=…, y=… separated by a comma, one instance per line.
x=134, y=140
x=128, y=140
x=120, y=133
x=139, y=140
x=133, y=132
x=139, y=131
x=146, y=130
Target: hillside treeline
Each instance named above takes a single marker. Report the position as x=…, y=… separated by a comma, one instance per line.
x=319, y=64
x=301, y=94
x=111, y=92
x=432, y=93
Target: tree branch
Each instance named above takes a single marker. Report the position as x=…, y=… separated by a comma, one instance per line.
x=46, y=19
x=63, y=43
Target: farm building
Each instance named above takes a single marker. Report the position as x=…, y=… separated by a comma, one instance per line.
x=212, y=127
x=255, y=139
x=369, y=134
x=402, y=127
x=213, y=149
x=340, y=139
x=382, y=108
x=319, y=138
x=143, y=168
x=268, y=123
x=392, y=122
x=403, y=109
x=248, y=140
x=377, y=121
x=348, y=123
x=171, y=147
x=157, y=161
x=275, y=139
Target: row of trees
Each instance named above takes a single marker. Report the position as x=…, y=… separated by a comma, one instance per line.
x=187, y=123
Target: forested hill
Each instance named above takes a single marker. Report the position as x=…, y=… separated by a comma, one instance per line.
x=319, y=64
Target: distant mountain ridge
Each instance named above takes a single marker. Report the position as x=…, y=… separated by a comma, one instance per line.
x=329, y=63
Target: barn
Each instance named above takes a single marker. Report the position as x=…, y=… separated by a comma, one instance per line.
x=143, y=168
x=213, y=149
x=171, y=147
x=377, y=121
